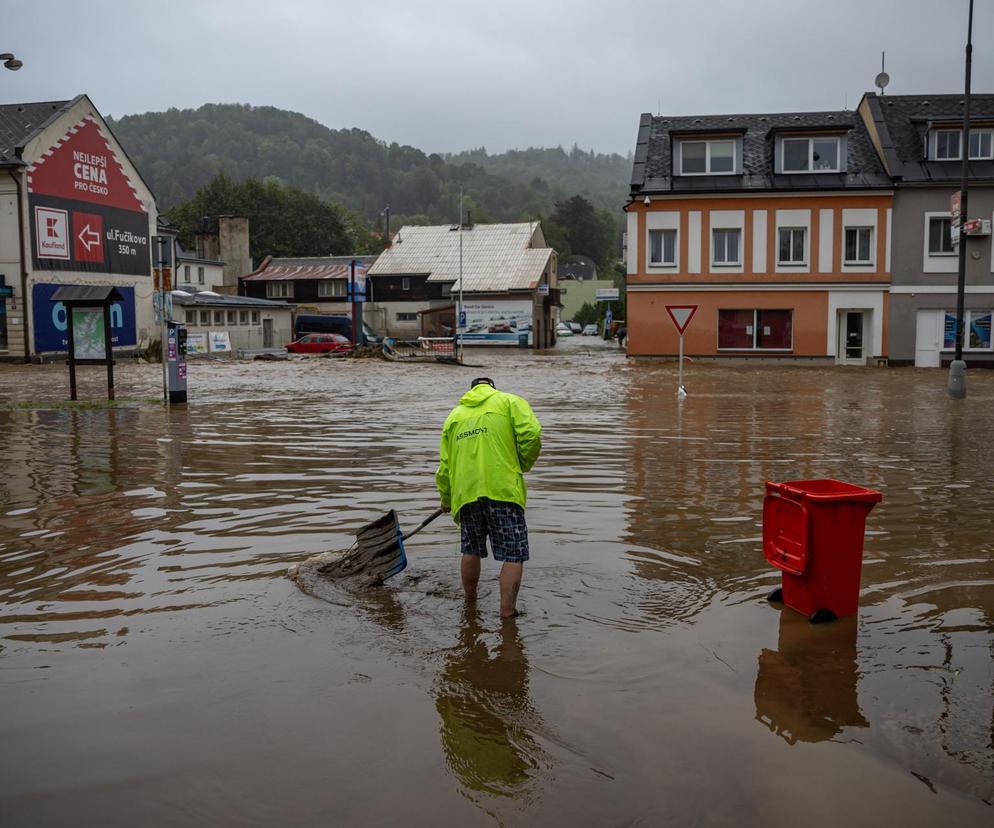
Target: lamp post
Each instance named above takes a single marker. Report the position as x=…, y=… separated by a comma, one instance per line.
x=957, y=368
x=10, y=62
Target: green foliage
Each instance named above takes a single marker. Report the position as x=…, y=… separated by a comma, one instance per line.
x=587, y=314
x=180, y=151
x=582, y=230
x=283, y=221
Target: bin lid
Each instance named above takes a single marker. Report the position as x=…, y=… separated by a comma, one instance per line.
x=824, y=490
x=785, y=534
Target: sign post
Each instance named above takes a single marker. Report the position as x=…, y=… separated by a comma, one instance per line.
x=681, y=315
x=163, y=271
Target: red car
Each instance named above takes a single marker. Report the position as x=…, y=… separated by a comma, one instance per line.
x=319, y=344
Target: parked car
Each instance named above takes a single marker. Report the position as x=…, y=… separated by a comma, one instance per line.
x=319, y=344
x=562, y=329
x=308, y=323
x=590, y=330
x=576, y=327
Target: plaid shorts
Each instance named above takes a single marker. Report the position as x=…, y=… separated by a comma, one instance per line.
x=503, y=523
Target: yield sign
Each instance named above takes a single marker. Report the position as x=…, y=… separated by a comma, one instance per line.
x=681, y=315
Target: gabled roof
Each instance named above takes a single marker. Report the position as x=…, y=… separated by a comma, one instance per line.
x=902, y=122
x=22, y=121
x=308, y=267
x=653, y=166
x=495, y=257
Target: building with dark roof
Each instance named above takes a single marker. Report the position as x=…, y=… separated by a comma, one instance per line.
x=74, y=211
x=776, y=226
x=919, y=139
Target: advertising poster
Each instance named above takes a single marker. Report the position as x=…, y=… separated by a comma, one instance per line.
x=499, y=320
x=88, y=333
x=85, y=215
x=51, y=320
x=220, y=343
x=196, y=343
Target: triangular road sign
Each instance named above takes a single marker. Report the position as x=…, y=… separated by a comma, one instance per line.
x=681, y=315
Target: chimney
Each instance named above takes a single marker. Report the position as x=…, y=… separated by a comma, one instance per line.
x=233, y=248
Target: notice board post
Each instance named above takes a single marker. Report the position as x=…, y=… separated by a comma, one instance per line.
x=88, y=328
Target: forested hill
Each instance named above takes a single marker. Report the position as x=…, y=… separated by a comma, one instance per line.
x=178, y=151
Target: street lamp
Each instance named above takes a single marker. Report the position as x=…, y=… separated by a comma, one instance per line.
x=10, y=61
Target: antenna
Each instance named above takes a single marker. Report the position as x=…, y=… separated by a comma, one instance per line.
x=883, y=78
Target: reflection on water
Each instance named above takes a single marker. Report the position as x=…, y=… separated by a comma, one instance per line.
x=143, y=555
x=806, y=689
x=486, y=716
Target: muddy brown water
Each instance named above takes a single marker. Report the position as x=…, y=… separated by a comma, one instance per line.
x=156, y=667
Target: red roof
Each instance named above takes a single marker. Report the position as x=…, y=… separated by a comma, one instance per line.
x=327, y=267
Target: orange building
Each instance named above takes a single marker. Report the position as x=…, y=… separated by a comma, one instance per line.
x=776, y=226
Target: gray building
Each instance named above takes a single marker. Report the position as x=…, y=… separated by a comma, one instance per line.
x=920, y=142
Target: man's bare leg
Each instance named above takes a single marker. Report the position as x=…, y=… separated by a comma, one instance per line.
x=470, y=571
x=510, y=582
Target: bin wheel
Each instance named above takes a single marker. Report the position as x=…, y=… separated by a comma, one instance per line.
x=822, y=616
x=776, y=597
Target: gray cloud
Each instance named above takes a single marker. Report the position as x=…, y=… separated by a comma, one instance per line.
x=449, y=75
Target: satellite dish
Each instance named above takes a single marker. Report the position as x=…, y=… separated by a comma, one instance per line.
x=882, y=80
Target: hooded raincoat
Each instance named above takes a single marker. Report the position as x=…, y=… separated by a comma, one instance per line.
x=488, y=441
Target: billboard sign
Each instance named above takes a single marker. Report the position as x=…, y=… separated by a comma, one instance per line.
x=954, y=205
x=51, y=320
x=85, y=213
x=497, y=320
x=607, y=294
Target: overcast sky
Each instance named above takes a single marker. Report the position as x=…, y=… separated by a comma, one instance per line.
x=446, y=76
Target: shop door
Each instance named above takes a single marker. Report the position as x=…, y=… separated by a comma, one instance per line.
x=267, y=333
x=927, y=339
x=851, y=337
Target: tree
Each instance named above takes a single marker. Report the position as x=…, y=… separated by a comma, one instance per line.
x=586, y=231
x=283, y=221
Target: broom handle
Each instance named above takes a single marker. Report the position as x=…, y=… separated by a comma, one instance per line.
x=424, y=523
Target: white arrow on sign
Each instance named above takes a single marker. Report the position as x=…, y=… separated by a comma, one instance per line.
x=681, y=315
x=88, y=238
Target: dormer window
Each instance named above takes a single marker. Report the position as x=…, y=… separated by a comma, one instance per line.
x=945, y=144
x=707, y=157
x=814, y=154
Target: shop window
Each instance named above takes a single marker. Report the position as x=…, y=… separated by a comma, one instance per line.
x=976, y=331
x=755, y=330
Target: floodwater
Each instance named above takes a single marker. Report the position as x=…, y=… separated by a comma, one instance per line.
x=157, y=667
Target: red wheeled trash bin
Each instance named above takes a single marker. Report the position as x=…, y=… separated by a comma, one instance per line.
x=813, y=532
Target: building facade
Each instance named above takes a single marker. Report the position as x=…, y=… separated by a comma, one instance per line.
x=245, y=324
x=315, y=285
x=776, y=226
x=73, y=211
x=919, y=139
x=501, y=278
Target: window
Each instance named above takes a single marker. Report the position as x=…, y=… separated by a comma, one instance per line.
x=810, y=155
x=255, y=317
x=945, y=145
x=218, y=317
x=791, y=248
x=755, y=330
x=662, y=247
x=405, y=283
x=186, y=273
x=279, y=290
x=725, y=246
x=232, y=317
x=940, y=242
x=407, y=317
x=982, y=144
x=859, y=243
x=205, y=319
x=243, y=317
x=707, y=157
x=200, y=276
x=331, y=288
x=976, y=331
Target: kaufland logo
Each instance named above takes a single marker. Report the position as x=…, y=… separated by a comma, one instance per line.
x=52, y=232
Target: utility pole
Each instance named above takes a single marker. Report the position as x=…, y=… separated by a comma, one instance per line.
x=957, y=368
x=459, y=310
